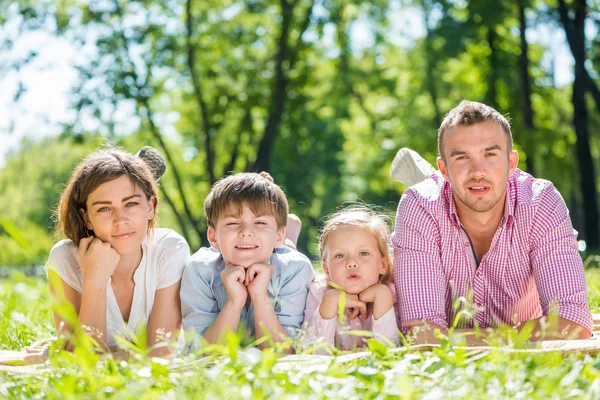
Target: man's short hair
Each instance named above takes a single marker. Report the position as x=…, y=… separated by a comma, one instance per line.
x=261, y=195
x=470, y=113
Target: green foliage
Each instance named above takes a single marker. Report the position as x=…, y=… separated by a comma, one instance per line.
x=236, y=371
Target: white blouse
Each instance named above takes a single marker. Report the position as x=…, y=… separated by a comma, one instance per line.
x=163, y=259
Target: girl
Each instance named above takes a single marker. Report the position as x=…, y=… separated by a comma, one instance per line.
x=115, y=268
x=355, y=253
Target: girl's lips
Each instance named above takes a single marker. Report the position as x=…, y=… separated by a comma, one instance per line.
x=354, y=277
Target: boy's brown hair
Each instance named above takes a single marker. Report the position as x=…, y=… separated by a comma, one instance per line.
x=262, y=196
x=469, y=113
x=366, y=217
x=97, y=168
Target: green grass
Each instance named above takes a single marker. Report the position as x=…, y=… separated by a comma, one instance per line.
x=238, y=372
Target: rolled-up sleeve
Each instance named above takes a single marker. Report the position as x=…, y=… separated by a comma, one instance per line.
x=557, y=264
x=418, y=273
x=292, y=294
x=199, y=306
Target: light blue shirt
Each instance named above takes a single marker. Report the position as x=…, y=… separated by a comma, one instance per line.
x=203, y=294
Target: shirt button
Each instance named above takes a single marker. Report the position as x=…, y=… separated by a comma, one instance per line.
x=467, y=244
x=357, y=323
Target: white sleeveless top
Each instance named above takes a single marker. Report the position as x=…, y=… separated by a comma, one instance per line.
x=163, y=259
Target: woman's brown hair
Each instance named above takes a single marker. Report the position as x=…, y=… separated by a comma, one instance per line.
x=97, y=168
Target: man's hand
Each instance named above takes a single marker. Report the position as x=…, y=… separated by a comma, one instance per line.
x=423, y=332
x=98, y=260
x=381, y=297
x=257, y=280
x=233, y=277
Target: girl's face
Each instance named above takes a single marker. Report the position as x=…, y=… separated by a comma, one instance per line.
x=118, y=213
x=353, y=259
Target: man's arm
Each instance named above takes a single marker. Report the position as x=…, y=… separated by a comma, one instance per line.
x=558, y=271
x=418, y=274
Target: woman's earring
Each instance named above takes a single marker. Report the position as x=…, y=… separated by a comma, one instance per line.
x=90, y=232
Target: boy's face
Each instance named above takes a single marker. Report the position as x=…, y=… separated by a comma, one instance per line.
x=245, y=239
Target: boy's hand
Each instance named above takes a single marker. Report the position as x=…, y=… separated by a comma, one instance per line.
x=98, y=260
x=257, y=280
x=233, y=279
x=381, y=297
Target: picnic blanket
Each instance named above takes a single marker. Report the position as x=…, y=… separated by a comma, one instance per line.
x=22, y=362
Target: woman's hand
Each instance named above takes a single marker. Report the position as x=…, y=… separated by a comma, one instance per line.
x=98, y=260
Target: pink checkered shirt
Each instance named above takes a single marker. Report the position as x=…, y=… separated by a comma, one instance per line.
x=532, y=267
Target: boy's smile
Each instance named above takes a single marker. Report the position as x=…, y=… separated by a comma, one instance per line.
x=245, y=239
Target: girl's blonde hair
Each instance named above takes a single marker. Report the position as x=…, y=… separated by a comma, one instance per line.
x=366, y=217
x=97, y=168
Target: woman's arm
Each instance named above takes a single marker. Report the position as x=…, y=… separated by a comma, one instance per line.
x=90, y=307
x=165, y=321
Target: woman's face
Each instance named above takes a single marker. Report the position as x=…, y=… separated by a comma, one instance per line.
x=118, y=212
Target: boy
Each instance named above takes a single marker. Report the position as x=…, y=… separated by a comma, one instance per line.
x=245, y=277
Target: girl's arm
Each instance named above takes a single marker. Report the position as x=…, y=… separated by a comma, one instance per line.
x=165, y=321
x=384, y=324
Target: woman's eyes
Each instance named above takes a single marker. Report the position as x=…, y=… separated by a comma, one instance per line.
x=102, y=209
x=132, y=204
x=364, y=253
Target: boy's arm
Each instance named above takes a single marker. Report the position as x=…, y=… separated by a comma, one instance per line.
x=291, y=293
x=266, y=321
x=200, y=309
x=229, y=318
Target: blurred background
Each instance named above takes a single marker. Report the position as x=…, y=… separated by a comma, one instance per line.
x=320, y=93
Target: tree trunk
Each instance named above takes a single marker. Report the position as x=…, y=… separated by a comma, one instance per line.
x=430, y=68
x=576, y=38
x=526, y=108
x=490, y=97
x=196, y=84
x=263, y=158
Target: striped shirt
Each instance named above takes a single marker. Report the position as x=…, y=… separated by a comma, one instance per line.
x=532, y=268
x=203, y=294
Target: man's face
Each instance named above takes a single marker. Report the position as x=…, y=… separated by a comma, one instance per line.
x=477, y=163
x=245, y=239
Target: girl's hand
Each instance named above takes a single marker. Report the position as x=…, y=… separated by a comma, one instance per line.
x=98, y=260
x=381, y=297
x=257, y=281
x=358, y=308
x=329, y=305
x=233, y=277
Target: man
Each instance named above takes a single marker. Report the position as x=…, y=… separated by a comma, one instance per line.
x=482, y=244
